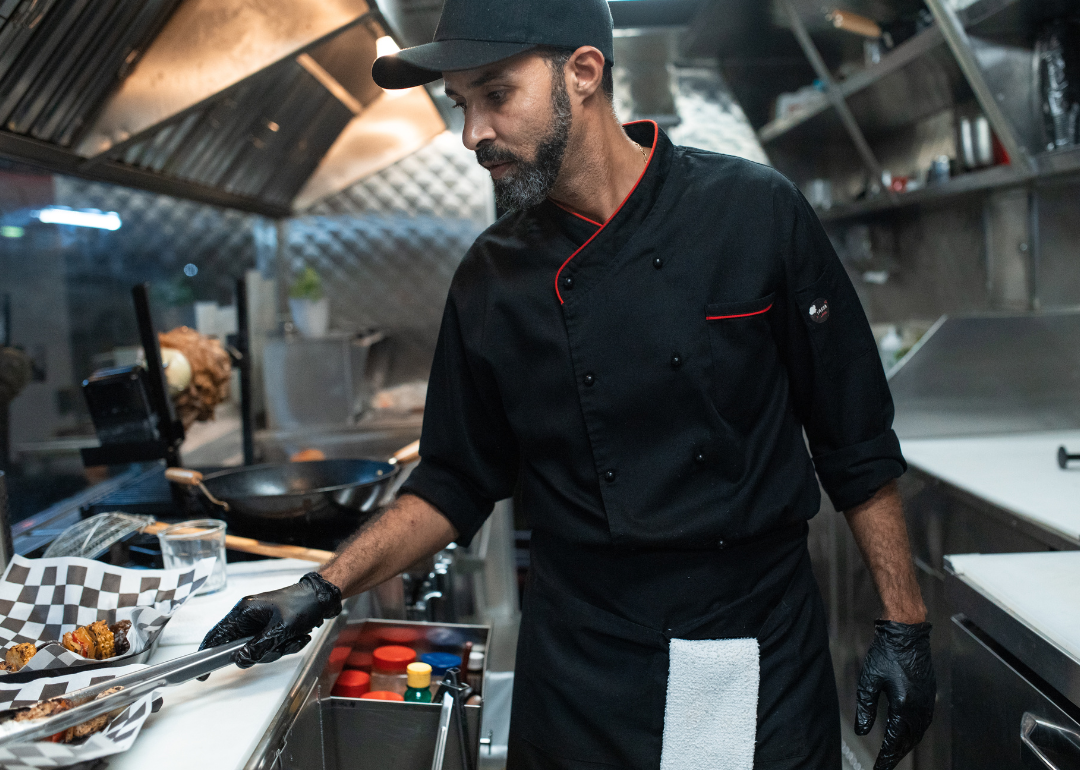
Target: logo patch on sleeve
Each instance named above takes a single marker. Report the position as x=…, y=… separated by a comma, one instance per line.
x=819, y=311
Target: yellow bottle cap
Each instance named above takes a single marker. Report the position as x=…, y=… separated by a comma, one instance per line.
x=419, y=675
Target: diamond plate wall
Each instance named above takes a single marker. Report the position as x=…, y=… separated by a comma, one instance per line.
x=442, y=180
x=159, y=236
x=387, y=247
x=710, y=118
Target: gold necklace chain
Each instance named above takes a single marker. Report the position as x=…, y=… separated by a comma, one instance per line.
x=644, y=153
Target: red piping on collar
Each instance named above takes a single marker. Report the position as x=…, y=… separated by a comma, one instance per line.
x=740, y=315
x=575, y=214
x=652, y=152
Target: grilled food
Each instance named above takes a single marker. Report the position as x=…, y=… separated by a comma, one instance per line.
x=48, y=708
x=99, y=640
x=18, y=656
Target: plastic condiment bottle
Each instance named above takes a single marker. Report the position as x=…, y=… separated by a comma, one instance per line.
x=359, y=660
x=475, y=675
x=439, y=662
x=382, y=695
x=419, y=677
x=388, y=668
x=351, y=684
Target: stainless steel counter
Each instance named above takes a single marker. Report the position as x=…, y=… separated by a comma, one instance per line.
x=1015, y=660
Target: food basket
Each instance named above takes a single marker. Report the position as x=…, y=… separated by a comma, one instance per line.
x=41, y=599
x=118, y=736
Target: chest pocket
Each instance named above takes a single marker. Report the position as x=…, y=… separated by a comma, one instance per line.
x=743, y=358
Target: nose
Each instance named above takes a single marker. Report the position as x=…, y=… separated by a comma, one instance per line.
x=476, y=130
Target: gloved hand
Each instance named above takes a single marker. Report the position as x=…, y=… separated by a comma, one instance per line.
x=898, y=663
x=281, y=621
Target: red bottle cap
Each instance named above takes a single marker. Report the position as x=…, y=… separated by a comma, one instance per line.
x=359, y=659
x=382, y=695
x=352, y=684
x=393, y=658
x=400, y=635
x=339, y=655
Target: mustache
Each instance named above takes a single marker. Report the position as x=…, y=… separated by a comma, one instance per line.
x=489, y=154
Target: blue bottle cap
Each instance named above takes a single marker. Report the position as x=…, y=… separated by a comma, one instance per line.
x=440, y=662
x=446, y=637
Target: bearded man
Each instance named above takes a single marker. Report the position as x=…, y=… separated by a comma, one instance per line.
x=639, y=347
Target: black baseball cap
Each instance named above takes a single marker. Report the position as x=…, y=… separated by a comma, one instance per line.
x=476, y=33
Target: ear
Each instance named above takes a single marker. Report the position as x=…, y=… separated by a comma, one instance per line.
x=585, y=72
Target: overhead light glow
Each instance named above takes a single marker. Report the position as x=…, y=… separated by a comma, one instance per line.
x=385, y=46
x=191, y=270
x=102, y=220
x=9, y=231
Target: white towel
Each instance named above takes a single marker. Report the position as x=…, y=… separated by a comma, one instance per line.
x=710, y=721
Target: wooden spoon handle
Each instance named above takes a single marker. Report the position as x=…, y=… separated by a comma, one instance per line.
x=407, y=454
x=183, y=476
x=248, y=545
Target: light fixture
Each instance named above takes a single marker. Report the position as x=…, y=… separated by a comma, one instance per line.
x=10, y=231
x=57, y=215
x=191, y=270
x=385, y=46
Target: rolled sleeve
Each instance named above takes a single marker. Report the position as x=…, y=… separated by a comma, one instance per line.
x=839, y=388
x=469, y=455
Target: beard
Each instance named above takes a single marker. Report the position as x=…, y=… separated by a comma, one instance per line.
x=529, y=182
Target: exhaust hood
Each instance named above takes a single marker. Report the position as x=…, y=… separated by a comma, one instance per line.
x=229, y=102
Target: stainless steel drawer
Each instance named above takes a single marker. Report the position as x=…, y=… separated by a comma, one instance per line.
x=1000, y=716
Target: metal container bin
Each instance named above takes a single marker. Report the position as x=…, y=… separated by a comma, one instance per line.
x=374, y=735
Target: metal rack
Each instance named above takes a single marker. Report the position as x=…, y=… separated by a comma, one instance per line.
x=968, y=57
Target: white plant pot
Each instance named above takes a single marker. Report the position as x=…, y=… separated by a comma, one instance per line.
x=310, y=316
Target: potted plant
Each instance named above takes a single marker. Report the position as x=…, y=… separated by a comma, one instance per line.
x=310, y=309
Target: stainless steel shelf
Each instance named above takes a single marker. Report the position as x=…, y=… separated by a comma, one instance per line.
x=987, y=179
x=1011, y=18
x=1058, y=163
x=1062, y=163
x=904, y=54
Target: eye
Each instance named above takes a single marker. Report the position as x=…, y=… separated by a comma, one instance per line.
x=497, y=97
x=459, y=106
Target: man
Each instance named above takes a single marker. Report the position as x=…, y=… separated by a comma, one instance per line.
x=640, y=345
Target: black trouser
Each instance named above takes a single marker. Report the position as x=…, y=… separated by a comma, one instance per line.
x=591, y=675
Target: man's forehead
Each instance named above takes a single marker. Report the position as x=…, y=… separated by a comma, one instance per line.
x=474, y=78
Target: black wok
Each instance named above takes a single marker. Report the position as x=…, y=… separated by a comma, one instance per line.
x=297, y=492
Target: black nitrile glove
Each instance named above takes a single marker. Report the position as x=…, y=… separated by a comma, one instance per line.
x=898, y=663
x=281, y=621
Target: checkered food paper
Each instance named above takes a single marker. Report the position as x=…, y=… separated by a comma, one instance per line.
x=115, y=738
x=42, y=599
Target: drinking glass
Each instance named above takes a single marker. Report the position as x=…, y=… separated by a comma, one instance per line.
x=186, y=543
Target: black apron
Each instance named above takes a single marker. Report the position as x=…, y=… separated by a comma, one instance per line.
x=591, y=674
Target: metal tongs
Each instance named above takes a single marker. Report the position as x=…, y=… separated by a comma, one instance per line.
x=135, y=685
x=453, y=695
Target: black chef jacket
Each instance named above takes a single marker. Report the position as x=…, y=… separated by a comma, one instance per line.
x=648, y=381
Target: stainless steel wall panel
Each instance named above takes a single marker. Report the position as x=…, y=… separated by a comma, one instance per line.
x=709, y=116
x=991, y=374
x=387, y=247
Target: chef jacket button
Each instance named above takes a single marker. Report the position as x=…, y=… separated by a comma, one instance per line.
x=699, y=457
x=609, y=476
x=658, y=263
x=720, y=544
x=568, y=282
x=676, y=360
x=589, y=380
